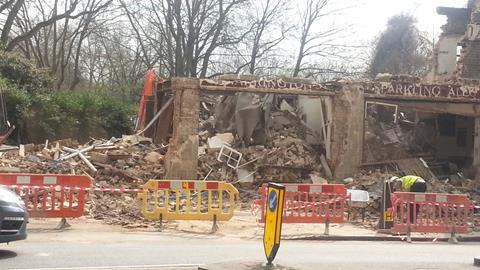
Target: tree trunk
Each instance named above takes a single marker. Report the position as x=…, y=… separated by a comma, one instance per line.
x=7, y=27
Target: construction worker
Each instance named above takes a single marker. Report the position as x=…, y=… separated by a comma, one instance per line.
x=410, y=183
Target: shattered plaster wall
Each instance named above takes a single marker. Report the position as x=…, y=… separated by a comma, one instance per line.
x=314, y=116
x=447, y=56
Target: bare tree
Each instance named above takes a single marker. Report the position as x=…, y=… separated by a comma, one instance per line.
x=57, y=46
x=112, y=60
x=323, y=47
x=311, y=14
x=93, y=9
x=269, y=30
x=182, y=34
x=10, y=37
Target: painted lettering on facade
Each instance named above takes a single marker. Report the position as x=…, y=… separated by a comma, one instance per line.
x=380, y=89
x=266, y=84
x=422, y=90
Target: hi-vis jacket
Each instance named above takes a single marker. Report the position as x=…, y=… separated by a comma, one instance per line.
x=408, y=181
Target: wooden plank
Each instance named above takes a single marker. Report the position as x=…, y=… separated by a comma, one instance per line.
x=328, y=110
x=389, y=161
x=414, y=166
x=325, y=167
x=322, y=119
x=431, y=99
x=467, y=109
x=222, y=90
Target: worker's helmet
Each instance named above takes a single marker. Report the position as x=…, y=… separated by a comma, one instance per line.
x=394, y=179
x=396, y=183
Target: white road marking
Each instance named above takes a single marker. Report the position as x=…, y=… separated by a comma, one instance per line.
x=136, y=267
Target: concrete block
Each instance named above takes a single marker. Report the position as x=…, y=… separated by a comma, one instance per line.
x=98, y=157
x=216, y=142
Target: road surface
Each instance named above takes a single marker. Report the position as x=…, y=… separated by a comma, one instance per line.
x=156, y=250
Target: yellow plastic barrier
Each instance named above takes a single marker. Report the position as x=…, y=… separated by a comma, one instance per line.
x=188, y=200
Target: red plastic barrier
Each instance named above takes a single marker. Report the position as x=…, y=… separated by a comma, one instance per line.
x=431, y=212
x=310, y=203
x=50, y=195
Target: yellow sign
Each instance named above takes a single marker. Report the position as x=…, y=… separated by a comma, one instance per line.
x=273, y=220
x=389, y=215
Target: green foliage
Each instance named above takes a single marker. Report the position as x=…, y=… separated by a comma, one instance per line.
x=58, y=115
x=18, y=71
x=40, y=113
x=95, y=115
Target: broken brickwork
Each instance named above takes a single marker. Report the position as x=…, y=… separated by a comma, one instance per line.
x=181, y=160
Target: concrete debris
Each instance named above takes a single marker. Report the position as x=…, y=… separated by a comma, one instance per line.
x=372, y=181
x=245, y=176
x=98, y=157
x=136, y=139
x=348, y=180
x=284, y=156
x=118, y=155
x=317, y=179
x=117, y=209
x=216, y=142
x=126, y=162
x=154, y=157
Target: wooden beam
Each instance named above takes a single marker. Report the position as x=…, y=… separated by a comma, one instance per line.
x=226, y=90
x=430, y=99
x=465, y=109
x=328, y=138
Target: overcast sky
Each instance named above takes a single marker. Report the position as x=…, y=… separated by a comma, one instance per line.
x=365, y=19
x=371, y=16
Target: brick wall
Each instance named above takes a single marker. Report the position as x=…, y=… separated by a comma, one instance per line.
x=471, y=60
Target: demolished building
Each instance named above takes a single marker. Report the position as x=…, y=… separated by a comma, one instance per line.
x=427, y=126
x=249, y=130
x=358, y=120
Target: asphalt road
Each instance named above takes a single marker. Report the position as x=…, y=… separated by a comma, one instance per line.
x=140, y=250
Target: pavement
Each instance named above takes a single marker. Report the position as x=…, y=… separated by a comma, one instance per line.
x=245, y=226
x=89, y=244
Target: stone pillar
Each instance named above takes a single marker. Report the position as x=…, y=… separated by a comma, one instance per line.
x=347, y=130
x=182, y=156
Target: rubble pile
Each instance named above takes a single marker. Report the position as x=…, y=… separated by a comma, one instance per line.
x=283, y=157
x=117, y=209
x=372, y=181
x=386, y=139
x=125, y=162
